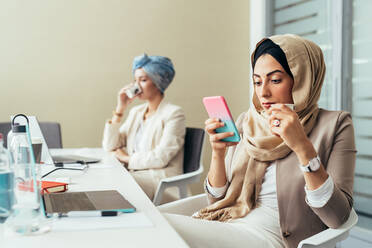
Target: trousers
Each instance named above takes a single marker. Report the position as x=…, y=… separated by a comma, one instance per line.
x=260, y=228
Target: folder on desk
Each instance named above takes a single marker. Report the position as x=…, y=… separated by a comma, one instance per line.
x=86, y=201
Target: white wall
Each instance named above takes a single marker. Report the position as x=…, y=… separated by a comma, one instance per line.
x=65, y=60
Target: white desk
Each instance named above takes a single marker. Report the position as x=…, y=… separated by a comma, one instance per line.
x=161, y=234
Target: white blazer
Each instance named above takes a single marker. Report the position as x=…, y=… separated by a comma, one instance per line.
x=163, y=144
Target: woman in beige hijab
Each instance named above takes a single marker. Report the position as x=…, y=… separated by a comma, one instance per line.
x=291, y=175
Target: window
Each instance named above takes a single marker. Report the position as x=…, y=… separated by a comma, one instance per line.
x=311, y=20
x=362, y=108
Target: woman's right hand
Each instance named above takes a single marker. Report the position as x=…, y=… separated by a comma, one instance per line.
x=214, y=138
x=123, y=99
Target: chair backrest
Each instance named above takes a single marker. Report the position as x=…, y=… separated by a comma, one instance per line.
x=193, y=148
x=4, y=129
x=51, y=132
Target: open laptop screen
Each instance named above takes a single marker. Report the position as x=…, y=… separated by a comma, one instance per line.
x=46, y=157
x=36, y=132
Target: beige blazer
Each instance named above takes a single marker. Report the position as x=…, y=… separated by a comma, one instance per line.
x=333, y=139
x=164, y=140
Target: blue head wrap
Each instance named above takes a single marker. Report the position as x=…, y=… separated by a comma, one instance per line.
x=160, y=69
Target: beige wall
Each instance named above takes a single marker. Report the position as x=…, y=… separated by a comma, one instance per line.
x=65, y=60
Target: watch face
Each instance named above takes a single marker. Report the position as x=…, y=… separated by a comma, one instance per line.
x=314, y=164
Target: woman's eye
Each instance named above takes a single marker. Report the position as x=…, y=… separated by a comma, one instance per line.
x=257, y=83
x=276, y=81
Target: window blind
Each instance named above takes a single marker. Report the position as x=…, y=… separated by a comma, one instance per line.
x=362, y=108
x=311, y=20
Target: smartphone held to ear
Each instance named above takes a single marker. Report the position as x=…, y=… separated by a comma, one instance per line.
x=216, y=107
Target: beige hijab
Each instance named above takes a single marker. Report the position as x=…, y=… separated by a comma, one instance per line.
x=259, y=147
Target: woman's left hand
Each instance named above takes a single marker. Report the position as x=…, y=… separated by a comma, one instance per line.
x=122, y=156
x=288, y=127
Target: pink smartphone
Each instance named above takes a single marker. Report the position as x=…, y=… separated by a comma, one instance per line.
x=216, y=107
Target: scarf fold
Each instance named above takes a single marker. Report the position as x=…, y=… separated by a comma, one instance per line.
x=259, y=147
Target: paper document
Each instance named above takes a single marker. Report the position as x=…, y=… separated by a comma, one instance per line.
x=130, y=220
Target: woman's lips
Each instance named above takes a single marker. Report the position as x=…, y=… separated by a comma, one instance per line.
x=267, y=105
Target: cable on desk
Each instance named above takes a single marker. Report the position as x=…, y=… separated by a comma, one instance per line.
x=61, y=168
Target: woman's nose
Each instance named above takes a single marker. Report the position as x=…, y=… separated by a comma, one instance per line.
x=265, y=90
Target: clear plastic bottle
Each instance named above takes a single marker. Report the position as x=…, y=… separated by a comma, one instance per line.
x=10, y=136
x=21, y=156
x=25, y=216
x=6, y=182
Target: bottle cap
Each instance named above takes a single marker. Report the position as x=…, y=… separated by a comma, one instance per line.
x=18, y=128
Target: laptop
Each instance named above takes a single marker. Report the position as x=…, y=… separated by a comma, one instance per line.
x=102, y=200
x=65, y=202
x=46, y=157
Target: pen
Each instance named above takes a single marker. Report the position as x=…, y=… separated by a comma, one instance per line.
x=92, y=213
x=97, y=213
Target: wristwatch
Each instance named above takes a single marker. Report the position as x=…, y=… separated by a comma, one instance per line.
x=313, y=165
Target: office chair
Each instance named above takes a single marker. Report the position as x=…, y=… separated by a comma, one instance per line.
x=51, y=132
x=325, y=239
x=192, y=166
x=4, y=129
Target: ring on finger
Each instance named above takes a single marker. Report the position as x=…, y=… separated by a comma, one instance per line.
x=276, y=122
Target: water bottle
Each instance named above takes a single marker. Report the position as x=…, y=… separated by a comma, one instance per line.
x=6, y=182
x=25, y=217
x=10, y=135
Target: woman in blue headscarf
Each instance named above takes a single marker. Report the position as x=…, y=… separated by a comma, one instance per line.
x=150, y=142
